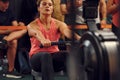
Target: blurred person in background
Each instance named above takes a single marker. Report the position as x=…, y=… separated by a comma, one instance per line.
x=113, y=8
x=8, y=19
x=66, y=6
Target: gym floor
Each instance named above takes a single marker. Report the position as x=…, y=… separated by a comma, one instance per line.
x=30, y=77
x=26, y=77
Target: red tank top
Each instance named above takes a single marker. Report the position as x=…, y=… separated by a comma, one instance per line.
x=52, y=34
x=116, y=16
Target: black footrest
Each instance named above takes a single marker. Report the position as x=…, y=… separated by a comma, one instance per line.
x=3, y=44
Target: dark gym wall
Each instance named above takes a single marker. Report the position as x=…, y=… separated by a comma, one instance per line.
x=15, y=6
x=24, y=10
x=28, y=10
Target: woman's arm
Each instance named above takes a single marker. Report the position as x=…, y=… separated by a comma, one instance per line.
x=34, y=31
x=66, y=31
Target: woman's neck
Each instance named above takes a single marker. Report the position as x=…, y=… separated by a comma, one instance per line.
x=45, y=20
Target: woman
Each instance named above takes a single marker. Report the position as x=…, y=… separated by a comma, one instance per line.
x=44, y=30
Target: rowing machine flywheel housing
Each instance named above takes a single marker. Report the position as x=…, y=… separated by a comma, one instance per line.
x=100, y=55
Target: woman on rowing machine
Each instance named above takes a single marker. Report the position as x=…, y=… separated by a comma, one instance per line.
x=44, y=30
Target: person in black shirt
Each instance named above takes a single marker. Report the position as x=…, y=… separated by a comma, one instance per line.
x=8, y=19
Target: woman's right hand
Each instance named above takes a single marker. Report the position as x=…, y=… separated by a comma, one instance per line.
x=46, y=43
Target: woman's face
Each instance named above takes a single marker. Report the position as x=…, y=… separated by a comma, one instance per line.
x=46, y=7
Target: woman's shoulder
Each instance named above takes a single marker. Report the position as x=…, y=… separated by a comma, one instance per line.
x=60, y=24
x=58, y=21
x=33, y=23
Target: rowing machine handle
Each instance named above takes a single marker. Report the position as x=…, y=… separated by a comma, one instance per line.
x=58, y=43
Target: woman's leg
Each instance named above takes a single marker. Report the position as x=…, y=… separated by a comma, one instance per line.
x=42, y=62
x=59, y=60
